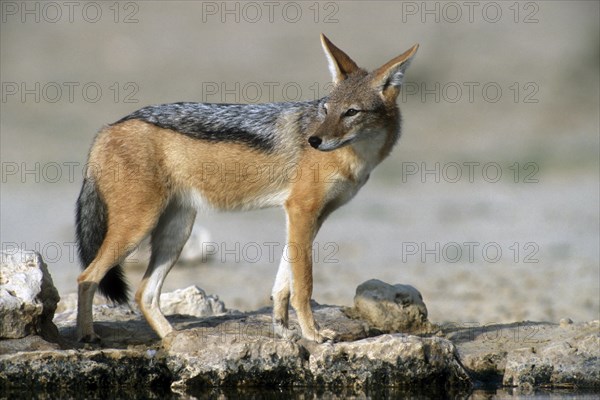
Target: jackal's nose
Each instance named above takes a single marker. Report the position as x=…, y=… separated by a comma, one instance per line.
x=315, y=141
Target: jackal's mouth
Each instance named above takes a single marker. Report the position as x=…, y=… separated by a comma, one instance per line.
x=329, y=144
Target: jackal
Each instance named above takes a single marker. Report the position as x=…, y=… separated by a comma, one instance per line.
x=155, y=168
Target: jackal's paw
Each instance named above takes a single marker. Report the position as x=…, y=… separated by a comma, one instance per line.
x=91, y=338
x=285, y=332
x=325, y=335
x=321, y=335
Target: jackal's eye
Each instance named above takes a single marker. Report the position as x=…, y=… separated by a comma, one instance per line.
x=350, y=112
x=325, y=109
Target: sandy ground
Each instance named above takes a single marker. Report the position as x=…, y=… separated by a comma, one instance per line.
x=528, y=241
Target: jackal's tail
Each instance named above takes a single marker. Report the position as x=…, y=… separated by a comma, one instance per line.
x=92, y=224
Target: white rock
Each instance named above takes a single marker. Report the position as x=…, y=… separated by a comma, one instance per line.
x=27, y=295
x=191, y=301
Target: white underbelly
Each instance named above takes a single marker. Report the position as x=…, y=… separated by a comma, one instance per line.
x=195, y=199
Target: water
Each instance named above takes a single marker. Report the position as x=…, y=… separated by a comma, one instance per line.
x=491, y=393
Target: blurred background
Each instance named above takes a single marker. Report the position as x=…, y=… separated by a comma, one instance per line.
x=489, y=205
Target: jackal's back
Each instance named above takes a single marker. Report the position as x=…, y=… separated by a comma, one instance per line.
x=255, y=125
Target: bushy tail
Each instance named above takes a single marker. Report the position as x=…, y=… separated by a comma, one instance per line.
x=92, y=224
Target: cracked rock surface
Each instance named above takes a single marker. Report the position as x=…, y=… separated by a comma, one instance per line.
x=230, y=349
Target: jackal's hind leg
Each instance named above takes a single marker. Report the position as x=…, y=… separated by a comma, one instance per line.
x=168, y=238
x=116, y=245
x=85, y=319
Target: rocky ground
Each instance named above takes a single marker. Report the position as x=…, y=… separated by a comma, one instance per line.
x=218, y=350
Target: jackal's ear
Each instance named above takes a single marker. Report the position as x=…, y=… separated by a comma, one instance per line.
x=340, y=64
x=388, y=78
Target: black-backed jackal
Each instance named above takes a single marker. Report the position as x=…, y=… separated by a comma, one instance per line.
x=152, y=170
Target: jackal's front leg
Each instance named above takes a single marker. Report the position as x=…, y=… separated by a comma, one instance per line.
x=281, y=301
x=295, y=275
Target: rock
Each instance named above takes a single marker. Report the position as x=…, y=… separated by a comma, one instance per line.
x=571, y=362
x=230, y=356
x=389, y=360
x=336, y=318
x=112, y=322
x=531, y=354
x=565, y=322
x=28, y=297
x=391, y=308
x=28, y=343
x=191, y=301
x=111, y=372
x=118, y=326
x=244, y=352
x=240, y=350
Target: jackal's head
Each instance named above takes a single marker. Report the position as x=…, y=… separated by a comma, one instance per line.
x=362, y=104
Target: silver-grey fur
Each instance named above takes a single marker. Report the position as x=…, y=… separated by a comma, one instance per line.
x=254, y=125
